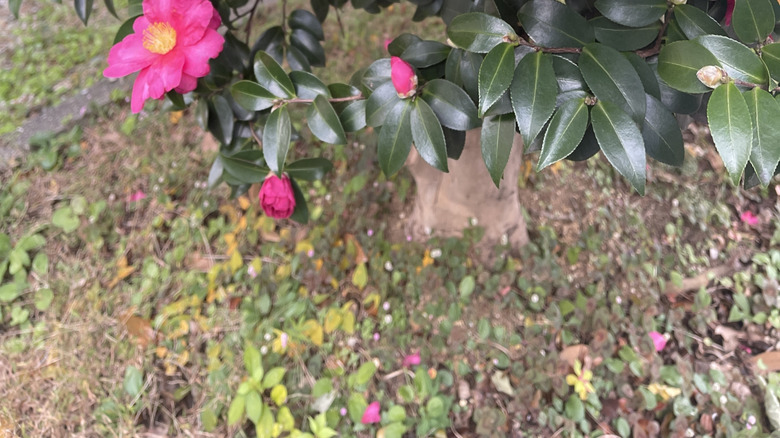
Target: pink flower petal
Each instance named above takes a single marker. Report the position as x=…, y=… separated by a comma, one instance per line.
x=387, y=42
x=659, y=340
x=411, y=359
x=371, y=414
x=403, y=77
x=749, y=218
x=137, y=196
x=729, y=11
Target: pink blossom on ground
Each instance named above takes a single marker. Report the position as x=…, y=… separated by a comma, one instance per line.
x=729, y=11
x=137, y=196
x=283, y=338
x=376, y=336
x=170, y=48
x=411, y=359
x=749, y=218
x=403, y=77
x=659, y=340
x=371, y=414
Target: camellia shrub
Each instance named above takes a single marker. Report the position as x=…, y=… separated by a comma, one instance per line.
x=572, y=77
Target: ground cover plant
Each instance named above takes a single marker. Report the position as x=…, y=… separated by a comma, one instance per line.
x=136, y=299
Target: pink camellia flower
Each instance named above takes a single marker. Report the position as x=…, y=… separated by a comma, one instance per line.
x=749, y=218
x=659, y=340
x=403, y=77
x=411, y=359
x=371, y=414
x=729, y=11
x=137, y=196
x=276, y=196
x=171, y=48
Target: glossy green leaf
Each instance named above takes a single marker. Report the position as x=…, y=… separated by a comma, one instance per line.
x=353, y=116
x=739, y=61
x=427, y=9
x=125, y=29
x=765, y=151
x=221, y=119
x=377, y=74
x=533, y=91
x=753, y=20
x=252, y=96
x=552, y=24
x=497, y=138
x=276, y=139
x=694, y=22
x=770, y=54
x=428, y=135
x=297, y=60
x=679, y=62
x=611, y=77
x=751, y=179
x=423, y=54
x=308, y=86
x=646, y=74
x=452, y=105
x=495, y=75
x=307, y=43
x=568, y=75
x=303, y=19
x=634, y=13
x=395, y=138
x=245, y=166
x=661, y=134
x=478, y=32
x=309, y=169
x=401, y=42
x=324, y=122
x=301, y=212
x=469, y=73
x=379, y=104
x=621, y=141
x=588, y=147
x=272, y=77
x=83, y=9
x=731, y=127
x=456, y=141
x=624, y=38
x=564, y=133
x=320, y=8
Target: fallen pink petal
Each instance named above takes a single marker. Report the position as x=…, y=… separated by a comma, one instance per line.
x=749, y=218
x=411, y=359
x=371, y=414
x=659, y=340
x=137, y=196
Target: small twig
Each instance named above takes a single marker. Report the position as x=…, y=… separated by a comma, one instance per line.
x=248, y=28
x=397, y=373
x=549, y=49
x=254, y=135
x=331, y=100
x=659, y=40
x=341, y=25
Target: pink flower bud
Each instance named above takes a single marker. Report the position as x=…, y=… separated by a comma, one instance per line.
x=411, y=359
x=276, y=197
x=371, y=414
x=729, y=11
x=403, y=76
x=658, y=339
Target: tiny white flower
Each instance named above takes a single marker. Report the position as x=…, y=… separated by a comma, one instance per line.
x=156, y=188
x=436, y=253
x=267, y=337
x=388, y=266
x=751, y=419
x=386, y=306
x=534, y=298
x=263, y=350
x=427, y=231
x=111, y=197
x=504, y=239
x=160, y=180
x=205, y=204
x=327, y=197
x=473, y=221
x=723, y=399
x=689, y=432
x=388, y=319
x=618, y=299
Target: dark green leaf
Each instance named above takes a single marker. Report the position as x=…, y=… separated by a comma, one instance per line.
x=739, y=61
x=246, y=166
x=428, y=136
x=109, y=5
x=765, y=152
x=272, y=37
x=679, y=62
x=379, y=104
x=401, y=42
x=395, y=138
x=297, y=60
x=252, y=96
x=661, y=134
x=425, y=53
x=771, y=56
x=534, y=90
x=552, y=24
x=478, y=32
x=276, y=139
x=564, y=133
x=320, y=8
x=303, y=19
x=324, y=122
x=621, y=142
x=495, y=75
x=14, y=6
x=301, y=212
x=309, y=46
x=426, y=10
x=221, y=119
x=309, y=169
x=497, y=138
x=308, y=86
x=377, y=74
x=624, y=38
x=612, y=78
x=694, y=22
x=353, y=116
x=731, y=127
x=456, y=140
x=646, y=74
x=215, y=173
x=462, y=68
x=272, y=77
x=452, y=105
x=634, y=13
x=753, y=20
x=83, y=9
x=588, y=147
x=568, y=75
x=124, y=30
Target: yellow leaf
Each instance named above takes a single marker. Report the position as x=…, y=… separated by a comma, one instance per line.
x=282, y=272
x=360, y=276
x=334, y=283
x=279, y=394
x=161, y=351
x=284, y=234
x=332, y=320
x=304, y=246
x=122, y=272
x=229, y=211
x=235, y=262
x=427, y=259
x=175, y=116
x=318, y=264
x=241, y=226
x=348, y=322
x=312, y=330
x=183, y=358
x=243, y=202
x=666, y=392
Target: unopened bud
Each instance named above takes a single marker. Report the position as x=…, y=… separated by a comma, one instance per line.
x=712, y=76
x=403, y=77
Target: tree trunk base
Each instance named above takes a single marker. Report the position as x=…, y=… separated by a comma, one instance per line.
x=446, y=203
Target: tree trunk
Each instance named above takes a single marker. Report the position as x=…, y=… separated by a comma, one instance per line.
x=447, y=202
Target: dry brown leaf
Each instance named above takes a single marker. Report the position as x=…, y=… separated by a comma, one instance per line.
x=196, y=262
x=360, y=255
x=770, y=361
x=573, y=353
x=140, y=329
x=730, y=336
x=122, y=271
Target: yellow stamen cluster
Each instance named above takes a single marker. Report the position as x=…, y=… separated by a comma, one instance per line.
x=159, y=38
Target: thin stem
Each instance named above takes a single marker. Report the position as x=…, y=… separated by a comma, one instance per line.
x=659, y=40
x=254, y=135
x=332, y=100
x=248, y=28
x=341, y=25
x=527, y=43
x=284, y=17
x=742, y=83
